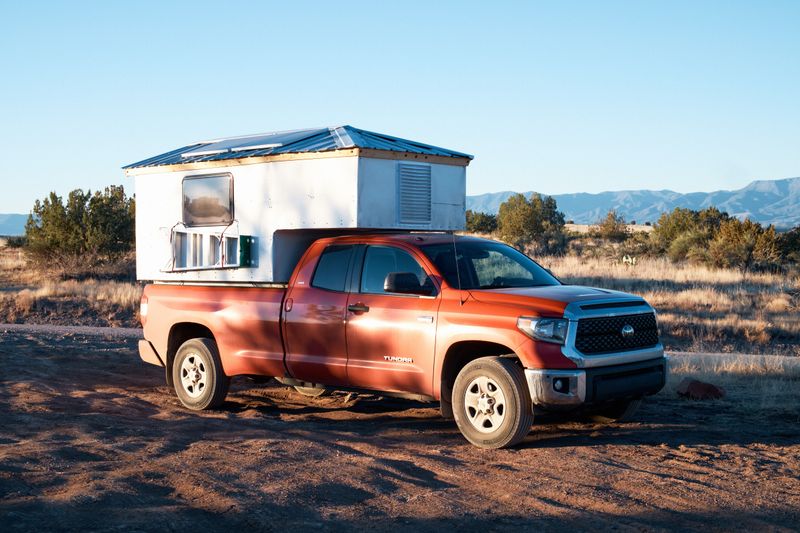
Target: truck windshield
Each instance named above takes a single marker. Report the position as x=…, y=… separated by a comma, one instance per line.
x=487, y=265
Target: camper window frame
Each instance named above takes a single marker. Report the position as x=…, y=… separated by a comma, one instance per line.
x=231, y=202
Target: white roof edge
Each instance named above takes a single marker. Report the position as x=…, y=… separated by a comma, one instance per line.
x=255, y=147
x=265, y=134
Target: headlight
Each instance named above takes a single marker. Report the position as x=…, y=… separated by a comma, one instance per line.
x=544, y=329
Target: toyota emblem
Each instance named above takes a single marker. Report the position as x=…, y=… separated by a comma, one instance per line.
x=627, y=331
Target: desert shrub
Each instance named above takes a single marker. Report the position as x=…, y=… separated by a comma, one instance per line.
x=88, y=229
x=478, y=222
x=532, y=223
x=15, y=242
x=612, y=227
x=636, y=245
x=685, y=234
x=690, y=245
x=744, y=245
x=672, y=225
x=789, y=245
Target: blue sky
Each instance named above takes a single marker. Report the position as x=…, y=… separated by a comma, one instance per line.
x=551, y=96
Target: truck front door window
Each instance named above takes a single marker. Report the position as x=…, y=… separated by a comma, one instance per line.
x=383, y=260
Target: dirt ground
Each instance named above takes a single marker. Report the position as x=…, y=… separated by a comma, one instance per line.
x=91, y=439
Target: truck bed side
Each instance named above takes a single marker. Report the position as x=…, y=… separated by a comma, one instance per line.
x=245, y=322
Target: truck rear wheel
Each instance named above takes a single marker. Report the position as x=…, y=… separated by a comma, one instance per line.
x=197, y=375
x=491, y=403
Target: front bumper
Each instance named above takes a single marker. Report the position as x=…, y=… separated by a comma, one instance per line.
x=597, y=384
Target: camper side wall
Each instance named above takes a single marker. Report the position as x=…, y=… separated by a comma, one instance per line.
x=314, y=193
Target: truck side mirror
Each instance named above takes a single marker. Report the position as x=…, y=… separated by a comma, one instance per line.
x=406, y=283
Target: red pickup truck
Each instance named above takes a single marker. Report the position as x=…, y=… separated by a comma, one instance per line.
x=469, y=322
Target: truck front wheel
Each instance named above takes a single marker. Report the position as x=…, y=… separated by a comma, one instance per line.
x=197, y=375
x=491, y=403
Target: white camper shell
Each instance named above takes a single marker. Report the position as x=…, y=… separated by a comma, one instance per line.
x=244, y=209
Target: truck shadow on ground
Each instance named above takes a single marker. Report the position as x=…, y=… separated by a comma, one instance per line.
x=662, y=420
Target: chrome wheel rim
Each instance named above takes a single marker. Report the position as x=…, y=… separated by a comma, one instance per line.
x=194, y=376
x=485, y=404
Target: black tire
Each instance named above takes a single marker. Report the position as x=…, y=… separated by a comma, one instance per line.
x=312, y=392
x=618, y=411
x=197, y=375
x=491, y=403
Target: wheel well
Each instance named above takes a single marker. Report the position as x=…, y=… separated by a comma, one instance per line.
x=179, y=334
x=456, y=358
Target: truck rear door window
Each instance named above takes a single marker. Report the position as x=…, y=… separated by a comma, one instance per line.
x=331, y=272
x=208, y=200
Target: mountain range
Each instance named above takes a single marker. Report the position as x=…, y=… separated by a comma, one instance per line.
x=12, y=224
x=766, y=201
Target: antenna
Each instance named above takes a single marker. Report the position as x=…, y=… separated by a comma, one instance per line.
x=458, y=274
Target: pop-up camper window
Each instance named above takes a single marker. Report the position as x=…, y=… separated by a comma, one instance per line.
x=208, y=200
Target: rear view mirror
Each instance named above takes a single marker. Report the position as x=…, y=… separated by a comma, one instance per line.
x=407, y=283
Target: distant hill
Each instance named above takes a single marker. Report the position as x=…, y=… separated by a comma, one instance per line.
x=769, y=202
x=12, y=224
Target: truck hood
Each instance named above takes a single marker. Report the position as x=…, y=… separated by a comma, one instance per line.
x=550, y=300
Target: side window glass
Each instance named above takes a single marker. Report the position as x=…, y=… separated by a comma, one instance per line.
x=208, y=200
x=380, y=261
x=331, y=272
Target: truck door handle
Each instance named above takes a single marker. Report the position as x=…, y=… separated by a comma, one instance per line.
x=358, y=308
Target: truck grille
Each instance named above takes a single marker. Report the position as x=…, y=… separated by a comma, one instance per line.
x=604, y=334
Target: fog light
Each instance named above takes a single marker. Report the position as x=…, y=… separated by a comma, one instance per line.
x=561, y=384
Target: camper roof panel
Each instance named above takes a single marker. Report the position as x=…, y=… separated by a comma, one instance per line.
x=289, y=142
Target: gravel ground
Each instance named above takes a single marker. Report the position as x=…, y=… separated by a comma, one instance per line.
x=92, y=440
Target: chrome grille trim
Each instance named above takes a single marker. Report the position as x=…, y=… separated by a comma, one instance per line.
x=574, y=313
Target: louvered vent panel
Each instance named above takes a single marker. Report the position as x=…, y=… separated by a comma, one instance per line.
x=414, y=193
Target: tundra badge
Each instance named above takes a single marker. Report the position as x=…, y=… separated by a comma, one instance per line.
x=395, y=359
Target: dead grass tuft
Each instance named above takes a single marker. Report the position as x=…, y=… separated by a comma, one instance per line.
x=24, y=302
x=112, y=292
x=11, y=260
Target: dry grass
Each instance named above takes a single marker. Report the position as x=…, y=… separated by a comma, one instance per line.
x=586, y=228
x=755, y=383
x=655, y=272
x=11, y=260
x=110, y=292
x=71, y=302
x=700, y=308
x=31, y=295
